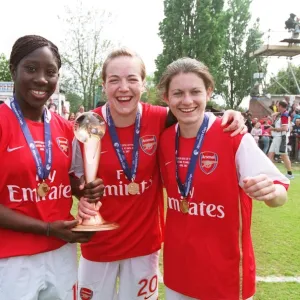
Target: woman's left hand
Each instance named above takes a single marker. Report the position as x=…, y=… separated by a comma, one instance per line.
x=260, y=187
x=237, y=124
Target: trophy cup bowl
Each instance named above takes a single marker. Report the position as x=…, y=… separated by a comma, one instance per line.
x=89, y=128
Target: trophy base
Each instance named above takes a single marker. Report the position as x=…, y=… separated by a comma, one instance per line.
x=95, y=228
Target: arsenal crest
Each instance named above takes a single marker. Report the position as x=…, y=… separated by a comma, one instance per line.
x=86, y=294
x=63, y=145
x=208, y=162
x=148, y=144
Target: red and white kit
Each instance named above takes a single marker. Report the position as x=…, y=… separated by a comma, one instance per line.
x=208, y=252
x=19, y=182
x=140, y=216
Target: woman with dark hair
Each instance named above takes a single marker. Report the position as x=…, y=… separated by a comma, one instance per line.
x=210, y=178
x=37, y=259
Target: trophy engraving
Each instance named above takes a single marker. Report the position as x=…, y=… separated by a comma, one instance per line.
x=89, y=128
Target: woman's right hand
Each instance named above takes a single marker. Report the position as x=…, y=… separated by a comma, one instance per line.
x=62, y=230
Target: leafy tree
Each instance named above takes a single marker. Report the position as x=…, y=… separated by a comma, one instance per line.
x=254, y=64
x=151, y=95
x=85, y=48
x=196, y=29
x=75, y=101
x=236, y=59
x=284, y=83
x=68, y=86
x=4, y=69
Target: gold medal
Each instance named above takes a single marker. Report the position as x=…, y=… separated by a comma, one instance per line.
x=184, y=206
x=133, y=188
x=43, y=189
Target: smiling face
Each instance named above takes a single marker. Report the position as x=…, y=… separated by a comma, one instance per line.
x=72, y=117
x=35, y=78
x=123, y=85
x=187, y=97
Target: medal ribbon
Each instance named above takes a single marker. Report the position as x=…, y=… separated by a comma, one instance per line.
x=42, y=170
x=185, y=188
x=130, y=174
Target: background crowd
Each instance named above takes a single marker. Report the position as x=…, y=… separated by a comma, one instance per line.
x=262, y=129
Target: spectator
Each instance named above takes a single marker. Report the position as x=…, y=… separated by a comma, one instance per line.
x=254, y=121
x=292, y=111
x=294, y=140
x=72, y=117
x=52, y=107
x=248, y=122
x=65, y=113
x=266, y=135
x=296, y=115
x=273, y=107
x=256, y=132
x=279, y=133
x=81, y=109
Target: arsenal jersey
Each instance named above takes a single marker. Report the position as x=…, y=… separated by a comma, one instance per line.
x=140, y=216
x=208, y=251
x=19, y=180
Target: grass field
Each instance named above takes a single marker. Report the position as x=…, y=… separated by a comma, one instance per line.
x=276, y=236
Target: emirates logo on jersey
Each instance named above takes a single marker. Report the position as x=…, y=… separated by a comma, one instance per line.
x=63, y=145
x=86, y=294
x=208, y=162
x=148, y=144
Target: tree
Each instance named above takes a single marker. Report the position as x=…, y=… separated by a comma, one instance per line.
x=4, y=69
x=75, y=101
x=254, y=64
x=151, y=95
x=196, y=29
x=236, y=59
x=283, y=83
x=85, y=48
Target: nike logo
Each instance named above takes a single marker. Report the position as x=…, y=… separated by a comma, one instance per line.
x=167, y=163
x=13, y=149
x=149, y=296
x=103, y=152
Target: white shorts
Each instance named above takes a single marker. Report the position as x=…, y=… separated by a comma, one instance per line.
x=45, y=276
x=138, y=279
x=172, y=295
x=275, y=145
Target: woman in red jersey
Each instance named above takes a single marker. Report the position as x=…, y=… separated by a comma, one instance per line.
x=37, y=260
x=210, y=178
x=133, y=195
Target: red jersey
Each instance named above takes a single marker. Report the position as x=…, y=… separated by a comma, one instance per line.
x=19, y=180
x=139, y=216
x=208, y=252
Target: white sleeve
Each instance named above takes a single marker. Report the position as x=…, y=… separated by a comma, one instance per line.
x=251, y=161
x=77, y=163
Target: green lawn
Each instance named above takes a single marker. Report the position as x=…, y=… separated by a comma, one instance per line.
x=276, y=235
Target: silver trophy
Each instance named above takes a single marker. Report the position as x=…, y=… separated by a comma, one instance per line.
x=89, y=128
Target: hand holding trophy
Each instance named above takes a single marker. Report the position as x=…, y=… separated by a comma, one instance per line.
x=89, y=128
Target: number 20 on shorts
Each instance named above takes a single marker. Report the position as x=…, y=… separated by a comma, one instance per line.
x=148, y=287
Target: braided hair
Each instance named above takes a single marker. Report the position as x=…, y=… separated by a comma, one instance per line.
x=29, y=43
